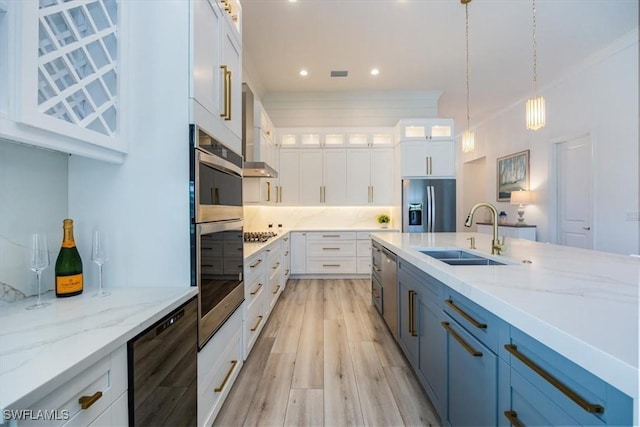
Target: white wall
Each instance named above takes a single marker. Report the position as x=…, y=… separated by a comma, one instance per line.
x=33, y=197
x=143, y=204
x=599, y=98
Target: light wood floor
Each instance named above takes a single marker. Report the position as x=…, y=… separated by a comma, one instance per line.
x=325, y=357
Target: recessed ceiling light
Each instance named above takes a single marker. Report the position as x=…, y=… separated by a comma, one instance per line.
x=292, y=1
x=304, y=73
x=375, y=71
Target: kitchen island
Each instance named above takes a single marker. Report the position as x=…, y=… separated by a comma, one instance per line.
x=581, y=304
x=40, y=350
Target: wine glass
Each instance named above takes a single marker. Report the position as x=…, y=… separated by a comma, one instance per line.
x=99, y=256
x=38, y=261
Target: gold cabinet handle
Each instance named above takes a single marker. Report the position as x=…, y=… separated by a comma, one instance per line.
x=275, y=267
x=330, y=249
x=268, y=191
x=472, y=351
x=412, y=323
x=331, y=265
x=255, y=264
x=579, y=400
x=226, y=377
x=225, y=111
x=376, y=267
x=228, y=92
x=257, y=324
x=277, y=290
x=335, y=236
x=512, y=416
x=255, y=291
x=464, y=314
x=86, y=401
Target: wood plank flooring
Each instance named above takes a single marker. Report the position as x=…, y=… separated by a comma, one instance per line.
x=326, y=358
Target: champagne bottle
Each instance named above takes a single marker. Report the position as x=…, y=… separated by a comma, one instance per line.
x=69, y=278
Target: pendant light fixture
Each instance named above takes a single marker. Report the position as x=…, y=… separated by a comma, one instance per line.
x=535, y=106
x=467, y=136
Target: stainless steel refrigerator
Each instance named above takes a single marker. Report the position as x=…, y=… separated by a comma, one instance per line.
x=428, y=205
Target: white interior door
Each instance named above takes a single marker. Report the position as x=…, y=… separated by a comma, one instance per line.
x=574, y=180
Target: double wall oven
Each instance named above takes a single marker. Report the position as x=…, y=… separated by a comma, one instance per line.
x=216, y=231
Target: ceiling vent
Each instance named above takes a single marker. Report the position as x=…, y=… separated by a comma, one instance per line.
x=335, y=73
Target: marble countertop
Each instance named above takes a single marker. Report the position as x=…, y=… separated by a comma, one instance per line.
x=42, y=349
x=581, y=303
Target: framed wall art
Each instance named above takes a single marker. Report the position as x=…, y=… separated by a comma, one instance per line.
x=512, y=174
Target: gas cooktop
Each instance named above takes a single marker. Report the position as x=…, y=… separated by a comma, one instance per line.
x=258, y=236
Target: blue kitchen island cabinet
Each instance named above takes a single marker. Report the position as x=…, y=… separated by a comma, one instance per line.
x=420, y=334
x=541, y=387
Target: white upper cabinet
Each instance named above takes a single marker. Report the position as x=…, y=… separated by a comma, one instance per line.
x=216, y=70
x=421, y=129
x=62, y=76
x=334, y=191
x=310, y=177
x=370, y=176
x=289, y=177
x=427, y=147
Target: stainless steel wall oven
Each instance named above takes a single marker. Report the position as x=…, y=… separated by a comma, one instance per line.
x=216, y=231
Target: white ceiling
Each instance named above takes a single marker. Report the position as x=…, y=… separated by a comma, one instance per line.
x=420, y=45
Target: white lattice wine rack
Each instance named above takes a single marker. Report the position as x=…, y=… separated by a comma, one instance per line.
x=77, y=62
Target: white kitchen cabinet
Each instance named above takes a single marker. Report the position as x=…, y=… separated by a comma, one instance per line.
x=334, y=190
x=370, y=176
x=255, y=284
x=216, y=86
x=286, y=259
x=288, y=177
x=311, y=169
x=275, y=275
x=423, y=129
x=298, y=253
x=63, y=76
x=101, y=385
x=426, y=158
x=219, y=364
x=513, y=231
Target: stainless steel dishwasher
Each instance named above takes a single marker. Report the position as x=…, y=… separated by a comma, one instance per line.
x=390, y=290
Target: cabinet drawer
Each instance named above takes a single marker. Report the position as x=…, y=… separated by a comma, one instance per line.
x=254, y=267
x=331, y=265
x=332, y=236
x=363, y=247
x=254, y=291
x=331, y=249
x=219, y=363
x=253, y=324
x=363, y=265
x=108, y=377
x=376, y=294
x=482, y=324
x=594, y=401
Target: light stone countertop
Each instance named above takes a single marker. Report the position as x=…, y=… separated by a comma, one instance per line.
x=581, y=303
x=42, y=349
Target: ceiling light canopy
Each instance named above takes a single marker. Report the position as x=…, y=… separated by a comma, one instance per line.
x=535, y=109
x=468, y=143
x=304, y=73
x=375, y=71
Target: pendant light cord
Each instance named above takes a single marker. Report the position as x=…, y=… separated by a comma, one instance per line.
x=466, y=8
x=535, y=55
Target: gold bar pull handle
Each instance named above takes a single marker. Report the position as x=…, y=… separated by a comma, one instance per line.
x=257, y=324
x=472, y=351
x=255, y=291
x=255, y=264
x=225, y=112
x=86, y=401
x=579, y=400
x=512, y=416
x=412, y=312
x=268, y=191
x=277, y=290
x=226, y=377
x=466, y=315
x=228, y=80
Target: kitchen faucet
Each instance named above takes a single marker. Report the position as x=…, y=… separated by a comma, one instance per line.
x=496, y=246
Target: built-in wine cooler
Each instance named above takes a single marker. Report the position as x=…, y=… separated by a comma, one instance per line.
x=216, y=231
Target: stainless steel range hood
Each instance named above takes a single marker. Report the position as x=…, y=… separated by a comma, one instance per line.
x=253, y=167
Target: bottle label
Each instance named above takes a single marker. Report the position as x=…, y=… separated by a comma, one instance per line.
x=69, y=284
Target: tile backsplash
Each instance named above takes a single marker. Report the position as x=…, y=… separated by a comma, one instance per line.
x=257, y=218
x=33, y=197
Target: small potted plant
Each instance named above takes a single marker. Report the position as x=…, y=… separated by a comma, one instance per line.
x=384, y=220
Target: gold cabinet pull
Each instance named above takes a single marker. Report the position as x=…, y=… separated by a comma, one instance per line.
x=277, y=290
x=334, y=236
x=472, y=351
x=257, y=324
x=579, y=400
x=228, y=92
x=330, y=249
x=275, y=267
x=226, y=377
x=255, y=264
x=512, y=416
x=225, y=110
x=255, y=291
x=462, y=313
x=86, y=401
x=376, y=267
x=331, y=265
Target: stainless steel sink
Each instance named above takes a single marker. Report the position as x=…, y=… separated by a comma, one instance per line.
x=459, y=257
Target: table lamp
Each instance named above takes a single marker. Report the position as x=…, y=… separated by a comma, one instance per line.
x=520, y=198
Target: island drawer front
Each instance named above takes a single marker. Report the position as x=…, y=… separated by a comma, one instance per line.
x=331, y=265
x=478, y=321
x=331, y=236
x=107, y=376
x=591, y=391
x=331, y=249
x=363, y=247
x=433, y=288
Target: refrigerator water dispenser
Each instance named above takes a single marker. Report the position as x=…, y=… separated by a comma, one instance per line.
x=415, y=213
